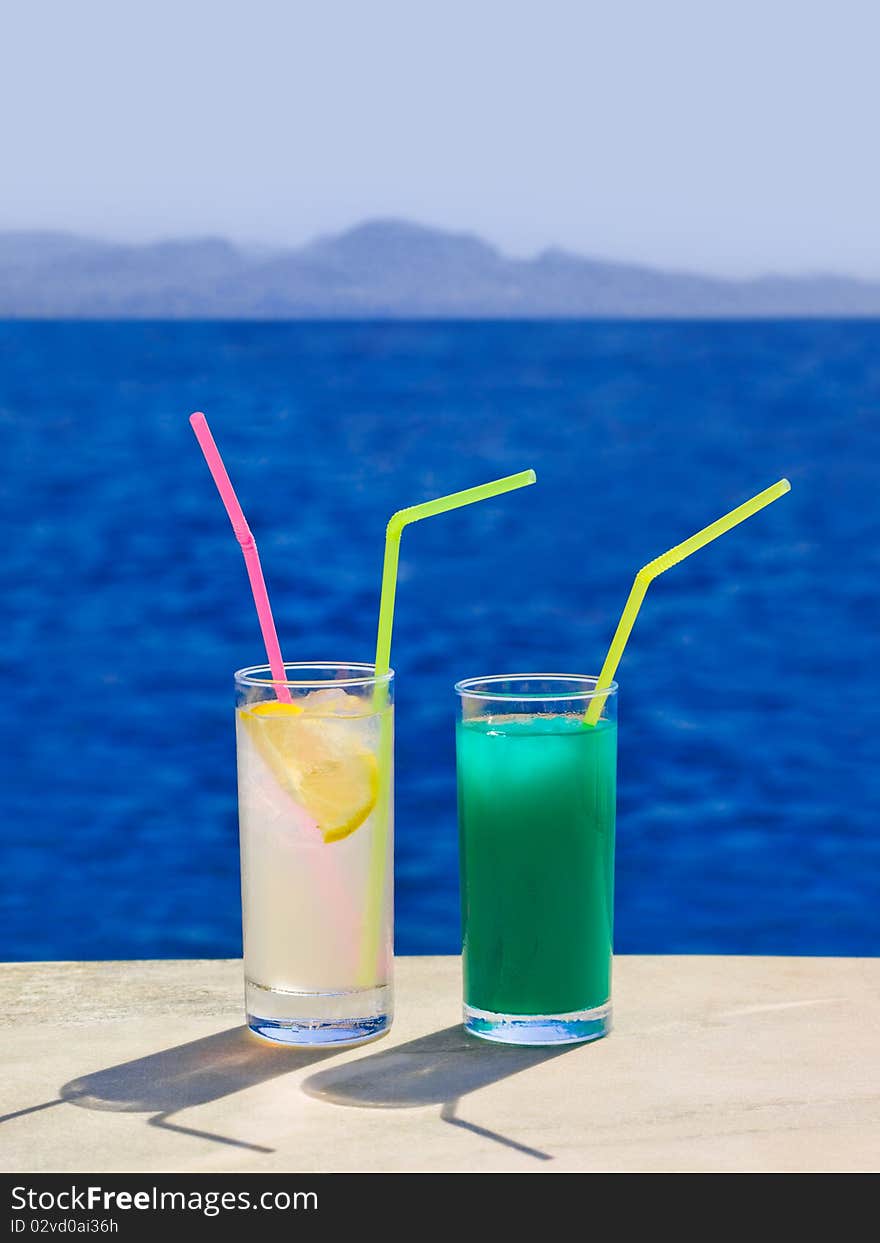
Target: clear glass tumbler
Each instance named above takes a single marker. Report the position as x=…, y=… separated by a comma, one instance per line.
x=536, y=808
x=316, y=810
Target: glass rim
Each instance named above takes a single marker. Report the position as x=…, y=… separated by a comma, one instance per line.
x=365, y=675
x=467, y=688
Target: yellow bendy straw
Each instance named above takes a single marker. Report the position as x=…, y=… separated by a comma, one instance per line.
x=393, y=532
x=649, y=572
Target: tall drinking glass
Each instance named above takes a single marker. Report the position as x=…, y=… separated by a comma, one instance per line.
x=536, y=808
x=315, y=795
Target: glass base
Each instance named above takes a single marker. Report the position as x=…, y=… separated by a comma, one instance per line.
x=307, y=1020
x=576, y=1027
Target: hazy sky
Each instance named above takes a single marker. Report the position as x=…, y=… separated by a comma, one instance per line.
x=731, y=135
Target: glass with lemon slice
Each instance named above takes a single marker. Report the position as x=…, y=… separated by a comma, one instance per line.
x=315, y=786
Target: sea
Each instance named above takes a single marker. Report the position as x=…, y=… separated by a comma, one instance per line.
x=749, y=716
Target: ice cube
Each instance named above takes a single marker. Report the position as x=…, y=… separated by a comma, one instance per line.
x=334, y=701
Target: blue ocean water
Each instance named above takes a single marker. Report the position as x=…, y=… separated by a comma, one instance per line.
x=749, y=722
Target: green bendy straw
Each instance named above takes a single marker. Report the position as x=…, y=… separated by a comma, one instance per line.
x=393, y=532
x=649, y=572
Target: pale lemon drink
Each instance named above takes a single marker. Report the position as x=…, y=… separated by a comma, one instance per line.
x=315, y=783
x=315, y=788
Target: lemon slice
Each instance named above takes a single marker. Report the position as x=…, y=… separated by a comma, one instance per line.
x=318, y=762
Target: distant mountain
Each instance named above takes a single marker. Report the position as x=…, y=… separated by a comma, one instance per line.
x=384, y=268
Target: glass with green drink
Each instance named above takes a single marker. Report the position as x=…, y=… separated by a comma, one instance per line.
x=536, y=803
x=537, y=759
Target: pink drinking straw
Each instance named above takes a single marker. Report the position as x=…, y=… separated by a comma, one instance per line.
x=248, y=547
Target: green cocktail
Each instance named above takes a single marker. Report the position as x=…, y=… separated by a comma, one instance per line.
x=536, y=798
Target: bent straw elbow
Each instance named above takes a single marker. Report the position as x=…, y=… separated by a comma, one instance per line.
x=397, y=522
x=245, y=539
x=664, y=562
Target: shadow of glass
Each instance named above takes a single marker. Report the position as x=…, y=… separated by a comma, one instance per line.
x=189, y=1074
x=432, y=1070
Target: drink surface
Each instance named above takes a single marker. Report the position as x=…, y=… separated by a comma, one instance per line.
x=310, y=808
x=536, y=821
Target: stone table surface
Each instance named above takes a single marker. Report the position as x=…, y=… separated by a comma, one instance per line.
x=714, y=1064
